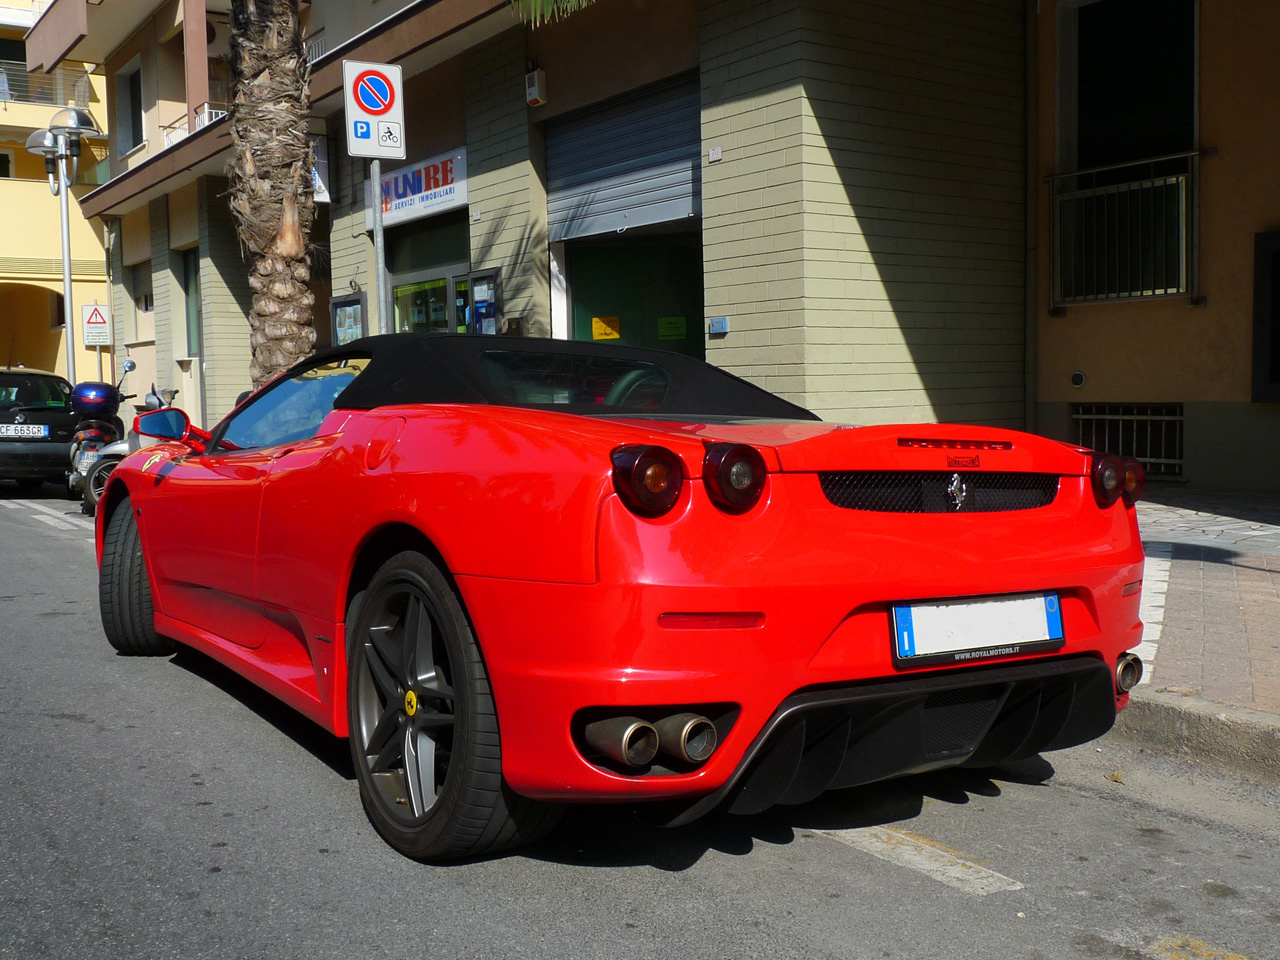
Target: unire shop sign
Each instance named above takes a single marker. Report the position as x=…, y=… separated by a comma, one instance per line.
x=422, y=189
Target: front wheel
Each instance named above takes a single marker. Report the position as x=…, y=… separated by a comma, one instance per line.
x=424, y=731
x=95, y=483
x=124, y=591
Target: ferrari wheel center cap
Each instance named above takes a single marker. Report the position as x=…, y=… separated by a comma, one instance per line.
x=410, y=703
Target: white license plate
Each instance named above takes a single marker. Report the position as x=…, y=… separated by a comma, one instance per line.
x=88, y=458
x=958, y=631
x=24, y=429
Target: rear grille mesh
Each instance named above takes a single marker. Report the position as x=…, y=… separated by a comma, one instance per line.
x=942, y=491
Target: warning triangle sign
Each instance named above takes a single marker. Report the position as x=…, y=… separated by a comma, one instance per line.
x=96, y=317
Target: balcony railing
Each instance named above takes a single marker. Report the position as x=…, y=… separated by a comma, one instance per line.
x=66, y=86
x=206, y=114
x=1124, y=231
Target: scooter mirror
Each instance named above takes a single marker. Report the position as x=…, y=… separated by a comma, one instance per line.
x=130, y=366
x=151, y=402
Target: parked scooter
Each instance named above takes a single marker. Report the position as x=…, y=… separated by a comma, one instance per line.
x=97, y=405
x=95, y=479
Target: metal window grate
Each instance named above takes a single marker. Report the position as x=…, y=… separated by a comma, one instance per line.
x=1149, y=432
x=1123, y=232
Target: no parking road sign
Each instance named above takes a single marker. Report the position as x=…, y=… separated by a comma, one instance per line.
x=374, y=101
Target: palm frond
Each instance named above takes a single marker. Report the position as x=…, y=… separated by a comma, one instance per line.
x=545, y=11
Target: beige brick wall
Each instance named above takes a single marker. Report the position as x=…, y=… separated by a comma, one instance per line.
x=864, y=231
x=225, y=302
x=752, y=212
x=350, y=246
x=914, y=207
x=166, y=297
x=505, y=189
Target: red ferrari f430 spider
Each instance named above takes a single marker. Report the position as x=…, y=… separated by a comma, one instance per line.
x=522, y=573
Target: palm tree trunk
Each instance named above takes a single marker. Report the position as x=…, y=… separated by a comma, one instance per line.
x=271, y=187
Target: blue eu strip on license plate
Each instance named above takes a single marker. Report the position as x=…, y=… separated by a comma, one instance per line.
x=956, y=631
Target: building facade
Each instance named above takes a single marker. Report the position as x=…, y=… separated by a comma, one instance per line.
x=1010, y=212
x=1158, y=319
x=31, y=281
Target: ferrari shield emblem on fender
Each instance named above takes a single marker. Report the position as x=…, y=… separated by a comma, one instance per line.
x=152, y=461
x=957, y=490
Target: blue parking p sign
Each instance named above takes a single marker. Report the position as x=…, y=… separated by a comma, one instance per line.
x=360, y=129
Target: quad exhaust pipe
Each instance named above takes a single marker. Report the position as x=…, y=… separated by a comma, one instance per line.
x=628, y=740
x=690, y=737
x=1128, y=672
x=686, y=736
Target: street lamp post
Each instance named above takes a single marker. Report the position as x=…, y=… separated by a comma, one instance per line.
x=60, y=147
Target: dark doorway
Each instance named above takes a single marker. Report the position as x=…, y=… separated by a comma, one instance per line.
x=642, y=292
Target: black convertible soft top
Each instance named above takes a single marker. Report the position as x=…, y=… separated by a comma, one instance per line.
x=564, y=375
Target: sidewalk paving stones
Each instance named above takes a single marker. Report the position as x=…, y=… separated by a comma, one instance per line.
x=1211, y=606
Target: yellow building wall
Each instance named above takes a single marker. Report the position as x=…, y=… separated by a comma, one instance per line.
x=1165, y=350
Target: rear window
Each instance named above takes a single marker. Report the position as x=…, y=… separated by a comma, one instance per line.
x=610, y=384
x=31, y=391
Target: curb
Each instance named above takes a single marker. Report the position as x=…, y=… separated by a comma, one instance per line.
x=1242, y=740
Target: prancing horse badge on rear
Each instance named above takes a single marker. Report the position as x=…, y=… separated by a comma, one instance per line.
x=956, y=491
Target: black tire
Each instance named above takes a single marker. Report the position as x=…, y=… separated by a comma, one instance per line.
x=95, y=482
x=446, y=733
x=124, y=592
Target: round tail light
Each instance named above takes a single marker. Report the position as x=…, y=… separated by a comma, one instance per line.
x=648, y=479
x=1108, y=478
x=734, y=475
x=1134, y=481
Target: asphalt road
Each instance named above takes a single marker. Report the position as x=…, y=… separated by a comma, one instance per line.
x=164, y=808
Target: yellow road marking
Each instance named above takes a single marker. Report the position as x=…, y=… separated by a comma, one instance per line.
x=1178, y=947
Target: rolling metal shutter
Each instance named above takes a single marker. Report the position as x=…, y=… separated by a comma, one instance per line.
x=630, y=163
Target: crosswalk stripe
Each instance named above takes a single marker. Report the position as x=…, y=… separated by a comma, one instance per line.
x=78, y=521
x=54, y=522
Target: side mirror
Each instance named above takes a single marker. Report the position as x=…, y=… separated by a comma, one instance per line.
x=168, y=424
x=130, y=366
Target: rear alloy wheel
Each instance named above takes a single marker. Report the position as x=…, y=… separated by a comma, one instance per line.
x=424, y=732
x=95, y=483
x=124, y=592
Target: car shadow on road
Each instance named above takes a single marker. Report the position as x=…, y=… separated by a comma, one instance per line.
x=332, y=751
x=610, y=836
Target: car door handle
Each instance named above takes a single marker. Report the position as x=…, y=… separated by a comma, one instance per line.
x=283, y=453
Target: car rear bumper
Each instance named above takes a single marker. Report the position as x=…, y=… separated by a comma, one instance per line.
x=560, y=654
x=821, y=602
x=20, y=459
x=845, y=736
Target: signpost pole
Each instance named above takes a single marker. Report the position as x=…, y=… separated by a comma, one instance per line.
x=386, y=321
x=373, y=110
x=99, y=349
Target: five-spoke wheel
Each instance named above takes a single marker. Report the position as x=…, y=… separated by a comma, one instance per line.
x=424, y=732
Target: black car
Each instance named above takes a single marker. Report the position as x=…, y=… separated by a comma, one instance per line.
x=36, y=426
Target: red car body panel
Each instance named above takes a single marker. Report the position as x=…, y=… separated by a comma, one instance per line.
x=251, y=556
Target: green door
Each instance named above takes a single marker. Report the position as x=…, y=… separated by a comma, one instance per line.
x=642, y=293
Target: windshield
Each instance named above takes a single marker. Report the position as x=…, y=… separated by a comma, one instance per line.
x=29, y=390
